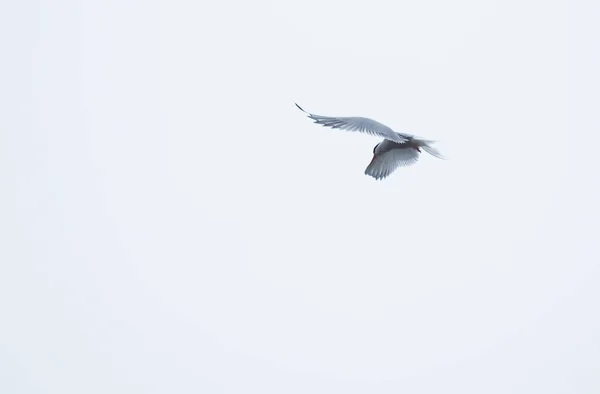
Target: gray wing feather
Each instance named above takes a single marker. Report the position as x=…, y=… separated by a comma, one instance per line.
x=387, y=162
x=358, y=124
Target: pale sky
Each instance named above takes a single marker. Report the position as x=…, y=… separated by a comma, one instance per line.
x=171, y=223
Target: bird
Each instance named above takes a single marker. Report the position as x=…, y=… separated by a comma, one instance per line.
x=394, y=151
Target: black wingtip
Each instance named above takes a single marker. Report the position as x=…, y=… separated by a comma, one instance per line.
x=300, y=108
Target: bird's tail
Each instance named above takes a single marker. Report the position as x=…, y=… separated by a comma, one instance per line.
x=427, y=146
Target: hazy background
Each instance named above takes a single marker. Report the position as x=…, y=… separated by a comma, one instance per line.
x=171, y=223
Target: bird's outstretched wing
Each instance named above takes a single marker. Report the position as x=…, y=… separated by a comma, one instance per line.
x=383, y=164
x=358, y=124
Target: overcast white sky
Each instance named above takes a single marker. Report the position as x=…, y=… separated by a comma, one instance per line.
x=171, y=223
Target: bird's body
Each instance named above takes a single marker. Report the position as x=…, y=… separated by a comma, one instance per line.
x=396, y=149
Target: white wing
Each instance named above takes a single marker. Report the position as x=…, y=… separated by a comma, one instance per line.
x=383, y=164
x=359, y=124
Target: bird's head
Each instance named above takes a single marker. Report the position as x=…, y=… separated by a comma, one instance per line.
x=375, y=148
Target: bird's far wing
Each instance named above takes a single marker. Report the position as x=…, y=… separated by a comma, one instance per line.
x=385, y=163
x=358, y=124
